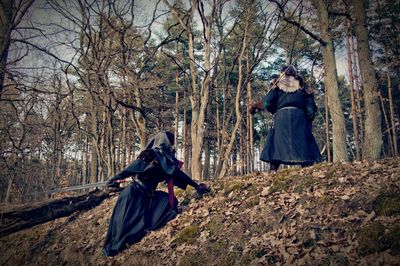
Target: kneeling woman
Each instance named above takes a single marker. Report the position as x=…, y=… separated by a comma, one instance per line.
x=140, y=207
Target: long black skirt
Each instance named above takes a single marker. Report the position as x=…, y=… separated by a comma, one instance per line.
x=136, y=212
x=290, y=141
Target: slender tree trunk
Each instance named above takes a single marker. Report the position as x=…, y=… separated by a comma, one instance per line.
x=250, y=130
x=351, y=81
x=331, y=83
x=373, y=132
x=57, y=142
x=388, y=130
x=199, y=101
x=206, y=168
x=184, y=133
x=217, y=133
x=7, y=9
x=328, y=145
x=391, y=109
x=358, y=96
x=95, y=141
x=242, y=149
x=228, y=150
x=176, y=108
x=109, y=134
x=85, y=160
x=123, y=149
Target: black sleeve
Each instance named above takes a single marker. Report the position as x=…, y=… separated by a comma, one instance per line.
x=270, y=100
x=120, y=175
x=311, y=107
x=182, y=180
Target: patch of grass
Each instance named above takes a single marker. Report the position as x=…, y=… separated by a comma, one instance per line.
x=324, y=200
x=179, y=192
x=229, y=187
x=320, y=166
x=330, y=174
x=193, y=259
x=214, y=226
x=376, y=237
x=248, y=257
x=393, y=238
x=227, y=260
x=251, y=202
x=387, y=204
x=188, y=235
x=185, y=202
x=282, y=183
x=371, y=238
x=253, y=190
x=304, y=183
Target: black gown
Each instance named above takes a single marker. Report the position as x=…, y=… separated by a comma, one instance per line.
x=140, y=208
x=290, y=140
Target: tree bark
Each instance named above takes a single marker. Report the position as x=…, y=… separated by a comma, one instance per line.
x=184, y=133
x=358, y=96
x=7, y=9
x=14, y=221
x=198, y=98
x=351, y=82
x=391, y=109
x=176, y=108
x=228, y=150
x=328, y=145
x=388, y=130
x=250, y=130
x=331, y=83
x=373, y=132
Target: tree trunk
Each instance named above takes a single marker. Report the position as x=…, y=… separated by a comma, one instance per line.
x=391, y=109
x=358, y=96
x=176, y=108
x=351, y=81
x=7, y=9
x=331, y=83
x=388, y=130
x=14, y=221
x=228, y=150
x=250, y=130
x=123, y=148
x=95, y=148
x=207, y=147
x=373, y=132
x=328, y=145
x=184, y=133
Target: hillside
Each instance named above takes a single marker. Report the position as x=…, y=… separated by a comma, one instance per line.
x=330, y=214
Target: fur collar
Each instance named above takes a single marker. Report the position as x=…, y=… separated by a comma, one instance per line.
x=288, y=84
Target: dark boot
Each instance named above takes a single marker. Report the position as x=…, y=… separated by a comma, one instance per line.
x=274, y=167
x=306, y=165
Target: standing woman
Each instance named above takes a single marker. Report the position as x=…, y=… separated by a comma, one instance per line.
x=140, y=207
x=290, y=140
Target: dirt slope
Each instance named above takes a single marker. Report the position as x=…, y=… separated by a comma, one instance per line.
x=329, y=214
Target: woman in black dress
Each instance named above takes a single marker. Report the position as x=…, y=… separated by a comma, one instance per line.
x=290, y=140
x=140, y=207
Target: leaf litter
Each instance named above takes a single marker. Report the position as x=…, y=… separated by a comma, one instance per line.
x=328, y=214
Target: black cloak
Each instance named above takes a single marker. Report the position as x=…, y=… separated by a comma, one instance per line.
x=290, y=140
x=140, y=208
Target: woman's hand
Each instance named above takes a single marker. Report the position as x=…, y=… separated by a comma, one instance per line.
x=254, y=108
x=202, y=189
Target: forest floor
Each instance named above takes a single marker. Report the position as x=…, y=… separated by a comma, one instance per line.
x=328, y=214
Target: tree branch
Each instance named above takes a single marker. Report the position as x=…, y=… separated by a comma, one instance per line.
x=295, y=23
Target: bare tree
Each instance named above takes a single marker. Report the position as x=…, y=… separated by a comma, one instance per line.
x=11, y=14
x=373, y=132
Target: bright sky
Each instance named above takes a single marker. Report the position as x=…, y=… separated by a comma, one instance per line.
x=45, y=17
